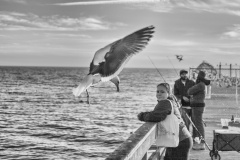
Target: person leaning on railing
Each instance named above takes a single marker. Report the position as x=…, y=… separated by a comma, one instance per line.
x=160, y=112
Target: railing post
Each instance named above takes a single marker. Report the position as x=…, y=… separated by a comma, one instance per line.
x=208, y=92
x=158, y=154
x=230, y=70
x=219, y=70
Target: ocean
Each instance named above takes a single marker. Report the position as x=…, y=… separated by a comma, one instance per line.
x=40, y=119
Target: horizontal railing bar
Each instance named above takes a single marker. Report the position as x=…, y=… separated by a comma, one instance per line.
x=137, y=145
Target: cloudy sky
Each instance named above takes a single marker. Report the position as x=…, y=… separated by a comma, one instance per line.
x=69, y=32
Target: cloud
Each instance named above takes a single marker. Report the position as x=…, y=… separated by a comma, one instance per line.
x=233, y=33
x=214, y=6
x=154, y=5
x=4, y=36
x=16, y=1
x=64, y=35
x=175, y=43
x=107, y=2
x=19, y=21
x=220, y=51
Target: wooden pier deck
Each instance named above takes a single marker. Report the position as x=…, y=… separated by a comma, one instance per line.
x=219, y=106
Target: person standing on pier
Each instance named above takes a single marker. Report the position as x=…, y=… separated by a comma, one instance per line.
x=181, y=87
x=197, y=104
x=160, y=112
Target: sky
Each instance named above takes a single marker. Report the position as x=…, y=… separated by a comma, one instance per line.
x=69, y=32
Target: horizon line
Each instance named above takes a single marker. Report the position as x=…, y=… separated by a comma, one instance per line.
x=83, y=67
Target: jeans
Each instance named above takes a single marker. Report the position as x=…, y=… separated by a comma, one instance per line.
x=181, y=152
x=197, y=118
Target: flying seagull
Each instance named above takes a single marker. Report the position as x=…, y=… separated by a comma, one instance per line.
x=179, y=57
x=109, y=61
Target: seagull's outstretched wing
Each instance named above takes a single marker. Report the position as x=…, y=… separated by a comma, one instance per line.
x=110, y=60
x=179, y=56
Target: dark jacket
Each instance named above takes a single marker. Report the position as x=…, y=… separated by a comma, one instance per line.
x=180, y=90
x=160, y=112
x=198, y=95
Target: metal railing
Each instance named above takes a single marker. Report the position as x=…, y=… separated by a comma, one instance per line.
x=138, y=145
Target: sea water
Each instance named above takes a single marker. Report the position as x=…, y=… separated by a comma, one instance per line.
x=41, y=119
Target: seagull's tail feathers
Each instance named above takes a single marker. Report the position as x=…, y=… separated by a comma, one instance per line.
x=76, y=91
x=84, y=84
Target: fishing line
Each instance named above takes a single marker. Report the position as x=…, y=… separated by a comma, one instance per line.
x=176, y=101
x=175, y=96
x=172, y=65
x=172, y=95
x=157, y=69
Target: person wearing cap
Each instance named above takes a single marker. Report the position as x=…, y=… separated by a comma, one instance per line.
x=197, y=104
x=181, y=87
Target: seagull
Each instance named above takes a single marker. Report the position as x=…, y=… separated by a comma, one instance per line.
x=179, y=57
x=109, y=61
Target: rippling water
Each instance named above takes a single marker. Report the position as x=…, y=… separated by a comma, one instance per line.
x=41, y=119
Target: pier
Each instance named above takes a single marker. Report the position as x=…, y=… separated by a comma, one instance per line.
x=137, y=146
x=140, y=145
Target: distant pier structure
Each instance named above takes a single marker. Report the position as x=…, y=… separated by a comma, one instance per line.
x=228, y=69
x=213, y=73
x=223, y=75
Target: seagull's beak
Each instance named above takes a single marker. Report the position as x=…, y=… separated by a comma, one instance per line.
x=84, y=84
x=116, y=81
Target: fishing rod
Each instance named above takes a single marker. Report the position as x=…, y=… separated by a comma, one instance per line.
x=174, y=97
x=177, y=75
x=157, y=69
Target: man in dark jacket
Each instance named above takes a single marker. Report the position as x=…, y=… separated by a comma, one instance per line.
x=181, y=87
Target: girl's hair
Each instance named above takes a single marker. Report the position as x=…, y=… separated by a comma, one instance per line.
x=166, y=85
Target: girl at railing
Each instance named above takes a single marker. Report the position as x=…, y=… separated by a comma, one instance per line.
x=160, y=112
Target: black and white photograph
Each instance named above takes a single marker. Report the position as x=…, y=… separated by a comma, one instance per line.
x=119, y=79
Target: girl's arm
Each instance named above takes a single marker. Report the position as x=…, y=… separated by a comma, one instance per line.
x=160, y=112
